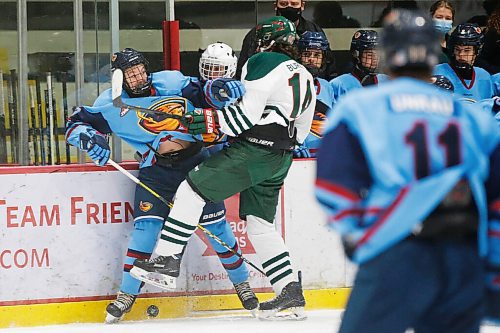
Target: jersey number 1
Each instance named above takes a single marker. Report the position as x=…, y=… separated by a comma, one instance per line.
x=449, y=139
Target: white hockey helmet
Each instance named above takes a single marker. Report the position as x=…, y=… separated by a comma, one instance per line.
x=218, y=60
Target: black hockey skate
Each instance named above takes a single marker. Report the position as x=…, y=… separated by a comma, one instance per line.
x=116, y=309
x=161, y=271
x=291, y=299
x=246, y=296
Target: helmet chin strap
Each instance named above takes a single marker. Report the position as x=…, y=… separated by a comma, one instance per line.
x=265, y=49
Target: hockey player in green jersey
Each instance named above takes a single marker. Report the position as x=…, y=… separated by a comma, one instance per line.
x=272, y=117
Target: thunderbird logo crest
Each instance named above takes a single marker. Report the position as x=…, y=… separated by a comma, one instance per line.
x=158, y=123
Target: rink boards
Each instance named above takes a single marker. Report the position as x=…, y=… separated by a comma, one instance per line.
x=64, y=232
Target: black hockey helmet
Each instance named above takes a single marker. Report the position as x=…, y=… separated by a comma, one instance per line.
x=311, y=40
x=363, y=40
x=464, y=34
x=127, y=58
x=443, y=82
x=409, y=41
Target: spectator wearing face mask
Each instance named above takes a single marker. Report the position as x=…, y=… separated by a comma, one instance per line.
x=291, y=10
x=442, y=13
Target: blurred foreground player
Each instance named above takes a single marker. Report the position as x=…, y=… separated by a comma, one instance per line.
x=408, y=186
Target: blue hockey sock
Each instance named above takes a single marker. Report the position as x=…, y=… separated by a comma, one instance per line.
x=234, y=265
x=141, y=245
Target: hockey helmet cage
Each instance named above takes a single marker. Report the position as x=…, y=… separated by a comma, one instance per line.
x=128, y=58
x=218, y=60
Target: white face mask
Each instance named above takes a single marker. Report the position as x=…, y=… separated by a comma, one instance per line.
x=442, y=26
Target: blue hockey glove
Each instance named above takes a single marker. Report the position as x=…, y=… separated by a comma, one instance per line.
x=302, y=152
x=224, y=91
x=201, y=121
x=96, y=146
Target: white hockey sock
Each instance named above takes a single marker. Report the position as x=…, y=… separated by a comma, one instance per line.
x=181, y=222
x=272, y=252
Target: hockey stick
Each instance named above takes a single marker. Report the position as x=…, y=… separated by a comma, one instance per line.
x=56, y=129
x=170, y=205
x=116, y=95
x=64, y=80
x=40, y=118
x=50, y=118
x=13, y=115
x=3, y=131
x=33, y=125
x=47, y=129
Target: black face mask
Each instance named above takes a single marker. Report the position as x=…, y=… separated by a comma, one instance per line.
x=289, y=13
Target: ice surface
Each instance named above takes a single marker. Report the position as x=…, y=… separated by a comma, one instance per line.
x=320, y=321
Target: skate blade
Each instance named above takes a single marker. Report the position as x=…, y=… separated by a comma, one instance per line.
x=110, y=319
x=295, y=313
x=156, y=279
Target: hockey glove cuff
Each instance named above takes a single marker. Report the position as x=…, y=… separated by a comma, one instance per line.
x=96, y=146
x=202, y=121
x=224, y=91
x=302, y=152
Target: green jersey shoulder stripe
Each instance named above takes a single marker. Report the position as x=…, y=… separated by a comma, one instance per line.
x=260, y=64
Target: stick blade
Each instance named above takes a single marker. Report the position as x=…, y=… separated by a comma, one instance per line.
x=117, y=87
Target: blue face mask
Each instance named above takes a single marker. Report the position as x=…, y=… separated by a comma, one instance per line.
x=442, y=26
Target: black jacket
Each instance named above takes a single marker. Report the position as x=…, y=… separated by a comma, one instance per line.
x=489, y=58
x=250, y=44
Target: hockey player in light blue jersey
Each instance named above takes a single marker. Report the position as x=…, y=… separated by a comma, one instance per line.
x=167, y=153
x=488, y=105
x=365, y=59
x=463, y=45
x=413, y=188
x=312, y=47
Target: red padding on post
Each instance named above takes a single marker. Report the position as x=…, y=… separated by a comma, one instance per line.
x=175, y=56
x=165, y=26
x=171, y=45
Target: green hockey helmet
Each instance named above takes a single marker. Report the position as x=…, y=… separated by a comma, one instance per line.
x=275, y=30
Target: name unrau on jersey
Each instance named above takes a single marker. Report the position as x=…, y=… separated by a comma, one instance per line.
x=422, y=103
